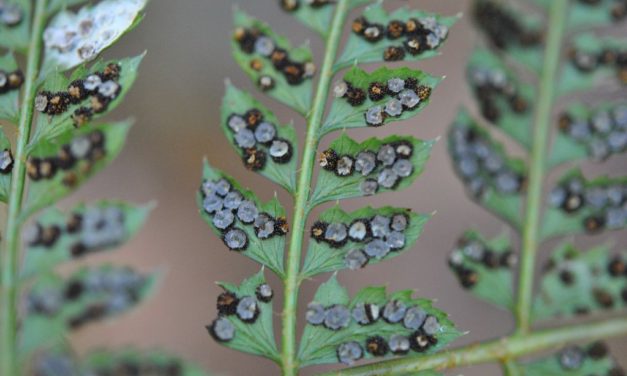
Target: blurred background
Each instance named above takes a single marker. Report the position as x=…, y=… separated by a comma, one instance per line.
x=176, y=103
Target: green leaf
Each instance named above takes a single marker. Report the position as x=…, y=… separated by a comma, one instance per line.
x=319, y=344
x=359, y=50
x=484, y=267
x=598, y=209
x=576, y=283
x=587, y=15
x=10, y=100
x=526, y=47
x=254, y=338
x=104, y=362
x=471, y=143
x=73, y=242
x=579, y=138
x=514, y=121
x=296, y=96
x=333, y=187
x=324, y=257
x=50, y=127
x=573, y=79
x=110, y=20
x=317, y=18
x=581, y=360
x=5, y=179
x=343, y=115
x=17, y=37
x=268, y=252
x=57, y=5
x=44, y=192
x=238, y=102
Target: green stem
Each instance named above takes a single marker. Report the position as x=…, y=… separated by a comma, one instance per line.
x=10, y=255
x=531, y=227
x=499, y=350
x=510, y=368
x=301, y=205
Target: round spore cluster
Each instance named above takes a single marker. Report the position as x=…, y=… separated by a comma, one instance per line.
x=400, y=94
x=74, y=158
x=492, y=85
x=503, y=27
x=417, y=328
x=574, y=358
x=230, y=212
x=294, y=5
x=99, y=88
x=480, y=164
x=617, y=10
x=608, y=57
x=415, y=36
x=117, y=289
x=383, y=168
x=258, y=139
x=602, y=202
x=471, y=251
x=603, y=133
x=92, y=230
x=6, y=162
x=10, y=81
x=253, y=41
x=370, y=238
x=244, y=308
x=11, y=14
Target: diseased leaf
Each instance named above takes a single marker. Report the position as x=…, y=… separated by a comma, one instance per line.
x=49, y=127
x=578, y=283
x=16, y=34
x=387, y=95
x=341, y=176
x=281, y=71
x=104, y=362
x=517, y=37
x=592, y=60
x=91, y=30
x=586, y=14
x=503, y=100
x=319, y=344
x=374, y=228
x=484, y=267
x=250, y=337
x=263, y=242
x=5, y=173
x=585, y=132
x=57, y=168
x=9, y=95
x=360, y=50
x=490, y=176
x=261, y=137
x=86, y=229
x=577, y=205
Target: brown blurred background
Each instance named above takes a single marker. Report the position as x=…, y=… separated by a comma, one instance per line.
x=176, y=102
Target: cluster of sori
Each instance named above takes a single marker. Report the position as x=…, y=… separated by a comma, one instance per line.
x=480, y=165
x=227, y=206
x=604, y=133
x=385, y=167
x=294, y=5
x=587, y=62
x=472, y=251
x=113, y=291
x=11, y=14
x=254, y=41
x=618, y=9
x=491, y=85
x=6, y=161
x=96, y=228
x=406, y=95
x=88, y=148
x=380, y=235
x=420, y=35
x=573, y=358
x=418, y=332
x=244, y=308
x=10, y=80
x=605, y=202
x=257, y=138
x=502, y=26
x=100, y=87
